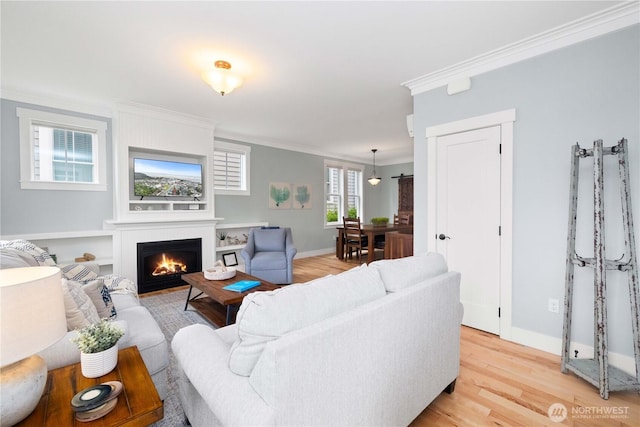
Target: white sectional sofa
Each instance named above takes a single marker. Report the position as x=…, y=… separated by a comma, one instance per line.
x=141, y=328
x=372, y=346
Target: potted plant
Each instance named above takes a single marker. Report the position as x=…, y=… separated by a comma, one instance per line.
x=379, y=221
x=222, y=236
x=98, y=344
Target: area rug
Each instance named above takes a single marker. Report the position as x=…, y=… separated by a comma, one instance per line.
x=168, y=310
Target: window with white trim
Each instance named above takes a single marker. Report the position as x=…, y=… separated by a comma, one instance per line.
x=343, y=192
x=231, y=169
x=61, y=152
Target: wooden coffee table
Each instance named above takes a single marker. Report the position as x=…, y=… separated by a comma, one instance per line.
x=219, y=305
x=138, y=405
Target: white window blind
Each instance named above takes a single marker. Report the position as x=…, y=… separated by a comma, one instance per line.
x=61, y=152
x=73, y=159
x=228, y=170
x=231, y=169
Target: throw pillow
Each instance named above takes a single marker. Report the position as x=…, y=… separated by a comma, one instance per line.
x=39, y=255
x=119, y=285
x=398, y=274
x=14, y=258
x=266, y=316
x=101, y=298
x=79, y=309
x=78, y=272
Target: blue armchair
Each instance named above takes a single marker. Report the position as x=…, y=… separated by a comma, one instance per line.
x=269, y=254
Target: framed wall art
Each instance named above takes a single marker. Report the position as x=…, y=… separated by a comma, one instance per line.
x=230, y=259
x=279, y=195
x=302, y=196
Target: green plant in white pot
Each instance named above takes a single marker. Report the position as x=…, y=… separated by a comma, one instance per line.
x=222, y=236
x=98, y=344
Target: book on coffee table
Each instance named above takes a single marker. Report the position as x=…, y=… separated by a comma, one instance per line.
x=242, y=285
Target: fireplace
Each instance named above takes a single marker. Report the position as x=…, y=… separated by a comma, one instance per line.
x=160, y=264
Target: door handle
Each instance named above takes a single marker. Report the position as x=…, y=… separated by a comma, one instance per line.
x=442, y=237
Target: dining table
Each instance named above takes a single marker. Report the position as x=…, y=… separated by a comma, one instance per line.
x=371, y=231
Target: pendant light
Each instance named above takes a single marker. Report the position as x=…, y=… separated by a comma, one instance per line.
x=374, y=180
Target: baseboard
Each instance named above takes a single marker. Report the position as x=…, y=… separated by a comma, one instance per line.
x=554, y=345
x=316, y=252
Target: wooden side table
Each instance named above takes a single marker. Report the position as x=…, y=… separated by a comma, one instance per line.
x=138, y=405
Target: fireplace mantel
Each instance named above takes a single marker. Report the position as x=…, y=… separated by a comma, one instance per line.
x=136, y=224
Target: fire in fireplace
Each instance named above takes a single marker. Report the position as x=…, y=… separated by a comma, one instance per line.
x=160, y=264
x=169, y=265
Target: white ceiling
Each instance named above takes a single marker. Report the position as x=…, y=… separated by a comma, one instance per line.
x=322, y=77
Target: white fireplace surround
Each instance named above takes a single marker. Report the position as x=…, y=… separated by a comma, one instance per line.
x=127, y=234
x=168, y=134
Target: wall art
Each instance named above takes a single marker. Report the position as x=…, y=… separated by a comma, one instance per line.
x=279, y=195
x=302, y=196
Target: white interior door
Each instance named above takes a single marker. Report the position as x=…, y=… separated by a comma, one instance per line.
x=468, y=220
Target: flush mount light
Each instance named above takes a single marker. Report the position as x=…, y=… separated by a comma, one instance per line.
x=374, y=180
x=222, y=79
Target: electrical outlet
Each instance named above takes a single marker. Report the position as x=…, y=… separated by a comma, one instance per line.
x=553, y=305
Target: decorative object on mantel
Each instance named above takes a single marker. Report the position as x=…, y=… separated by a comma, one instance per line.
x=98, y=344
x=235, y=240
x=230, y=259
x=379, y=221
x=221, y=78
x=374, y=179
x=219, y=272
x=222, y=236
x=87, y=256
x=33, y=318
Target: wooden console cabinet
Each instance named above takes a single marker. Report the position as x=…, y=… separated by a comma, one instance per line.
x=398, y=245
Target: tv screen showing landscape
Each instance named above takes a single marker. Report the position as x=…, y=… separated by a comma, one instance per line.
x=161, y=178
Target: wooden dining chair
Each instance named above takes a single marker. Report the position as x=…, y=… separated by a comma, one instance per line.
x=402, y=219
x=354, y=238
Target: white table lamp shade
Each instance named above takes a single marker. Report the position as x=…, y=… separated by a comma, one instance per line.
x=32, y=312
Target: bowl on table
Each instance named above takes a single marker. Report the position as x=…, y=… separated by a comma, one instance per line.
x=219, y=273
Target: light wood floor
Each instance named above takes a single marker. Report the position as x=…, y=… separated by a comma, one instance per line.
x=505, y=384
x=502, y=383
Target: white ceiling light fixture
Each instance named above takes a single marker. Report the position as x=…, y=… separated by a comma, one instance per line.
x=222, y=79
x=374, y=180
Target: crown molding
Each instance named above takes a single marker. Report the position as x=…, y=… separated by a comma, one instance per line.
x=55, y=101
x=594, y=25
x=159, y=113
x=227, y=136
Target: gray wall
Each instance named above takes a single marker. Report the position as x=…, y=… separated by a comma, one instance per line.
x=40, y=211
x=35, y=211
x=278, y=165
x=581, y=93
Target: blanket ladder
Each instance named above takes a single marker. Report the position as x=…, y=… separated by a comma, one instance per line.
x=597, y=370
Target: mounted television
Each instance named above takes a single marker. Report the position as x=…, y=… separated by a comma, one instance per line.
x=162, y=178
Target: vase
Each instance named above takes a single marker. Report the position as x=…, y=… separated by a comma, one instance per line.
x=95, y=365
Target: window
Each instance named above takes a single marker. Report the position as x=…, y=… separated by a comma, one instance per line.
x=60, y=152
x=231, y=169
x=343, y=192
